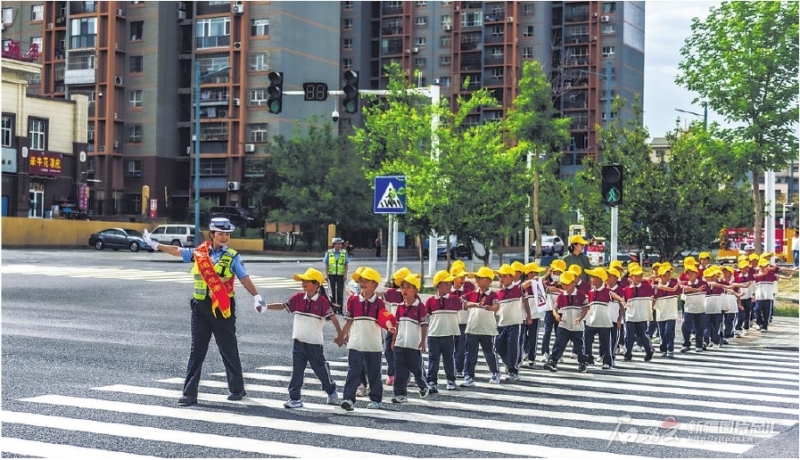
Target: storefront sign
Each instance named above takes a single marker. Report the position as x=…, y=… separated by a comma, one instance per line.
x=44, y=163
x=83, y=197
x=154, y=208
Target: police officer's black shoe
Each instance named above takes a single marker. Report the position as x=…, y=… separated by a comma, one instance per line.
x=237, y=396
x=187, y=401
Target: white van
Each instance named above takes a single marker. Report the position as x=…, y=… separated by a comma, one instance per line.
x=174, y=234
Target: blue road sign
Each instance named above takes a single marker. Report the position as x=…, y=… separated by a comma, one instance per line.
x=390, y=195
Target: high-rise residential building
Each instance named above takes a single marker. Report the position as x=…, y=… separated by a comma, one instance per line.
x=466, y=45
x=137, y=62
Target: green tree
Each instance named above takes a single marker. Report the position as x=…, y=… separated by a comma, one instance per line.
x=743, y=61
x=534, y=124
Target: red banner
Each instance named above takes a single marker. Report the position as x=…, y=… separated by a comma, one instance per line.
x=44, y=163
x=83, y=197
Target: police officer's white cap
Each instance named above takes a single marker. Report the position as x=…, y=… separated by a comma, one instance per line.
x=337, y=240
x=221, y=224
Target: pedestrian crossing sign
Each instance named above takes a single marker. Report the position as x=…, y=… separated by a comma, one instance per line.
x=390, y=195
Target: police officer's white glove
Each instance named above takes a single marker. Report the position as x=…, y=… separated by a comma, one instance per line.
x=260, y=306
x=149, y=241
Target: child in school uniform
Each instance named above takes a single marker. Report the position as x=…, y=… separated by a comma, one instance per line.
x=570, y=309
x=665, y=304
x=552, y=284
x=458, y=271
x=393, y=297
x=409, y=341
x=481, y=326
x=711, y=336
x=352, y=288
x=652, y=326
x=531, y=331
x=765, y=287
x=744, y=278
x=616, y=310
x=638, y=311
x=694, y=310
x=365, y=315
x=599, y=321
x=442, y=309
x=310, y=309
x=584, y=288
x=510, y=317
x=730, y=303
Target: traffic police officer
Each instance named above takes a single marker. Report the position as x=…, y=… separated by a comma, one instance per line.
x=336, y=261
x=213, y=305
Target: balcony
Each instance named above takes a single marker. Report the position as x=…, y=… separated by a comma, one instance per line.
x=82, y=41
x=392, y=9
x=220, y=41
x=494, y=60
x=470, y=65
x=79, y=76
x=578, y=104
x=577, y=16
x=494, y=38
x=219, y=183
x=472, y=5
x=391, y=30
x=391, y=50
x=577, y=39
x=82, y=7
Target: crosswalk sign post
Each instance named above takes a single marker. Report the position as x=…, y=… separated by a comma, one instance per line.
x=390, y=195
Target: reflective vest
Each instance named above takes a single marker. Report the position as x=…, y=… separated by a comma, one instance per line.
x=223, y=269
x=336, y=265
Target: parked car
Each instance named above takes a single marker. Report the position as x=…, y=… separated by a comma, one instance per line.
x=238, y=216
x=174, y=234
x=118, y=238
x=458, y=250
x=551, y=245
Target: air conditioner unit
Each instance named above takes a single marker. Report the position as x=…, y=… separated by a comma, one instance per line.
x=594, y=38
x=604, y=18
x=249, y=148
x=510, y=19
x=102, y=148
x=238, y=9
x=181, y=5
x=233, y=186
x=447, y=27
x=115, y=115
x=237, y=45
x=189, y=150
x=49, y=25
x=119, y=11
x=416, y=50
x=222, y=113
x=594, y=15
x=116, y=144
x=60, y=20
x=408, y=51
x=118, y=80
x=181, y=15
x=237, y=102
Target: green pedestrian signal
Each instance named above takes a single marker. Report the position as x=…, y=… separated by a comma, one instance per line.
x=611, y=185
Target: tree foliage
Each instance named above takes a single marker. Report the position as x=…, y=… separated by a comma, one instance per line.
x=743, y=61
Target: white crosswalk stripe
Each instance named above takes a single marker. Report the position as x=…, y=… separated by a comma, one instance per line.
x=156, y=276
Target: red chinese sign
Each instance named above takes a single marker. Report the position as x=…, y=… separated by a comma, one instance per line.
x=154, y=208
x=42, y=163
x=83, y=197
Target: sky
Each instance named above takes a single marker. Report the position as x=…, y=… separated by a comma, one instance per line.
x=667, y=25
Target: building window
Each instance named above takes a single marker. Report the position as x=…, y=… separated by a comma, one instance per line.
x=347, y=24
x=213, y=33
x=497, y=73
x=258, y=96
x=472, y=19
x=256, y=167
x=83, y=33
x=445, y=81
x=135, y=133
x=608, y=29
x=421, y=42
x=527, y=53
x=445, y=61
x=527, y=31
x=134, y=168
x=447, y=20
x=528, y=9
x=497, y=31
x=135, y=98
x=603, y=116
x=497, y=52
x=213, y=167
x=37, y=133
x=137, y=30
x=347, y=5
x=422, y=3
x=8, y=16
x=445, y=41
x=38, y=42
x=259, y=61
x=609, y=7
x=8, y=130
x=257, y=132
x=347, y=44
x=608, y=51
x=259, y=28
x=420, y=62
x=37, y=12
x=347, y=63
x=133, y=203
x=421, y=21
x=90, y=131
x=136, y=64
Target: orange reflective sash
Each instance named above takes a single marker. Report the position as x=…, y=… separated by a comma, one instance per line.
x=216, y=288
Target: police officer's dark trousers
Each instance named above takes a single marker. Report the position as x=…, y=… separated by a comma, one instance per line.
x=359, y=362
x=337, y=290
x=204, y=325
x=304, y=354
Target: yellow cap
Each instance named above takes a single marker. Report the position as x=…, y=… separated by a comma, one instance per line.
x=577, y=239
x=664, y=269
x=690, y=268
x=656, y=266
x=413, y=280
x=367, y=273
x=483, y=272
x=743, y=263
x=615, y=264
x=741, y=258
x=767, y=255
x=442, y=276
x=599, y=272
x=506, y=269
x=633, y=264
x=689, y=261
x=458, y=264
x=398, y=276
x=704, y=255
x=728, y=268
x=635, y=271
x=533, y=267
x=575, y=269
x=763, y=262
x=518, y=266
x=312, y=274
x=559, y=265
x=458, y=271
x=567, y=277
x=753, y=256
x=614, y=271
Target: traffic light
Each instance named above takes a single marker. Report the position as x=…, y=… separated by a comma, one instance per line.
x=275, y=92
x=611, y=186
x=350, y=90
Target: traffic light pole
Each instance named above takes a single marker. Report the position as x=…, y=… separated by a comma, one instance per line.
x=614, y=209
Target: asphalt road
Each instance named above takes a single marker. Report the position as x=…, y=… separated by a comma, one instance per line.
x=94, y=349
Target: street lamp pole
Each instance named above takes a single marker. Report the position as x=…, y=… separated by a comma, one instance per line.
x=614, y=209
x=704, y=114
x=197, y=151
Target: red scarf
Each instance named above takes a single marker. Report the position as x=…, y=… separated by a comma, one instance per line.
x=216, y=288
